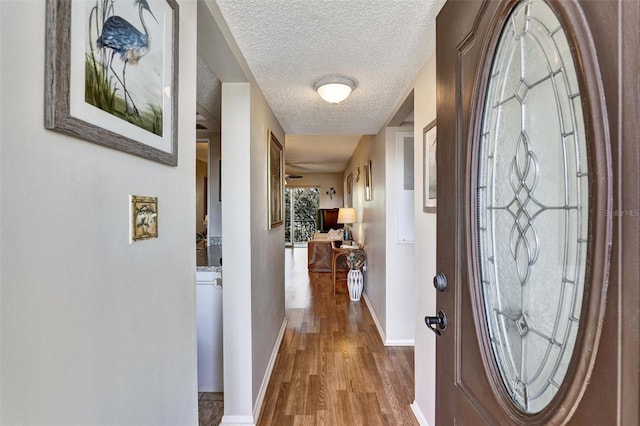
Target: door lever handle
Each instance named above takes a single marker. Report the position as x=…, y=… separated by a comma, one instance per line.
x=440, y=321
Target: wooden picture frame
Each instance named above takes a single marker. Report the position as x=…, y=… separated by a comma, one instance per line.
x=275, y=163
x=349, y=191
x=220, y=180
x=430, y=173
x=86, y=92
x=144, y=217
x=368, y=183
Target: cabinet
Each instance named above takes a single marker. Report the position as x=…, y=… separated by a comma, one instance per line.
x=209, y=331
x=327, y=219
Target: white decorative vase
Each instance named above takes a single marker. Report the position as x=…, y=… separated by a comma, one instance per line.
x=355, y=282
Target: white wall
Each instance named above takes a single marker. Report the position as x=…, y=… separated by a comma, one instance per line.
x=401, y=304
x=267, y=246
x=2, y=84
x=361, y=156
x=253, y=272
x=389, y=284
x=371, y=227
x=93, y=329
x=322, y=181
x=236, y=251
x=425, y=251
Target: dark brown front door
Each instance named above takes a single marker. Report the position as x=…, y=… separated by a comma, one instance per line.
x=538, y=212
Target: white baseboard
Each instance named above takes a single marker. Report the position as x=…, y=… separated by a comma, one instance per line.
x=383, y=337
x=375, y=317
x=237, y=421
x=400, y=342
x=418, y=413
x=267, y=375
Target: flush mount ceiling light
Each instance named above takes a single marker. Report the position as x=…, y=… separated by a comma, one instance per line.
x=334, y=89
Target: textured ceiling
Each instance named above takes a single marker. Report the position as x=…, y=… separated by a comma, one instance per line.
x=318, y=153
x=208, y=98
x=288, y=44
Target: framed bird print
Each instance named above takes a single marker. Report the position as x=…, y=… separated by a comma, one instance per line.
x=112, y=74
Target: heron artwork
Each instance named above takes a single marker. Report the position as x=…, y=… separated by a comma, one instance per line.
x=125, y=40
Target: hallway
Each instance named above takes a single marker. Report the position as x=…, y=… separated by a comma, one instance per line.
x=332, y=368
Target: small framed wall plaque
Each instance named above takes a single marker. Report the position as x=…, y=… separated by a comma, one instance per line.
x=144, y=217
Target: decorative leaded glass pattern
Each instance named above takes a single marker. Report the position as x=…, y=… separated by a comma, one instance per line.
x=532, y=205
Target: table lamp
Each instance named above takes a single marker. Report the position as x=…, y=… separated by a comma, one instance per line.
x=347, y=216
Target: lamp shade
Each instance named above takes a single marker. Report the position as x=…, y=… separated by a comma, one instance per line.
x=334, y=89
x=347, y=215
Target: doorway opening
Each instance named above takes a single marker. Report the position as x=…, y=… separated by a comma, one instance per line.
x=202, y=192
x=301, y=215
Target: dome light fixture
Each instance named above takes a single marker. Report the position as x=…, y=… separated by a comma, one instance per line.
x=334, y=89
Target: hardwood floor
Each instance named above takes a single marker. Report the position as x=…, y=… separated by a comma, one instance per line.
x=332, y=368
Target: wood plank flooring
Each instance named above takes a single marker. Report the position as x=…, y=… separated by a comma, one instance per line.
x=332, y=368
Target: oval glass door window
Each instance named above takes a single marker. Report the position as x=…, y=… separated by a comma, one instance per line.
x=532, y=205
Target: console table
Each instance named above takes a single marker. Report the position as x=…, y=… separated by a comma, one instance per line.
x=336, y=253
